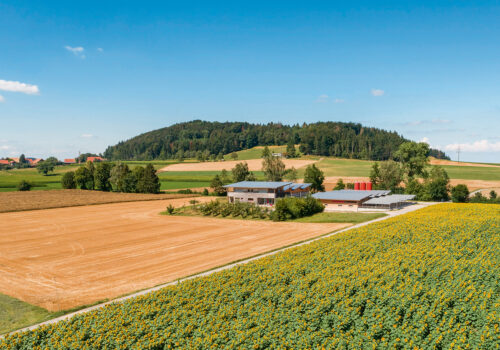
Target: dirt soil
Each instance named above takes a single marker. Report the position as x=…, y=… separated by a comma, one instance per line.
x=253, y=165
x=19, y=201
x=435, y=161
x=68, y=257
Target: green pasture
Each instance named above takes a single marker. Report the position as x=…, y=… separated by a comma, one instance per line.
x=256, y=152
x=354, y=218
x=15, y=314
x=10, y=178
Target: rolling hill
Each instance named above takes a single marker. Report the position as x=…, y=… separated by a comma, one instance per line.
x=214, y=139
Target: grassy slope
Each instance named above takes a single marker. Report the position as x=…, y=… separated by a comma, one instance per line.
x=256, y=152
x=15, y=314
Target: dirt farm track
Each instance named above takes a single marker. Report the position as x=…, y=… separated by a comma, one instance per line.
x=67, y=257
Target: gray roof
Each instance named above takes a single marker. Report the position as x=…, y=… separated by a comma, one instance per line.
x=259, y=184
x=395, y=198
x=350, y=195
x=295, y=186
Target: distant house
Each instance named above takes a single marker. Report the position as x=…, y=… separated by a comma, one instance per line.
x=279, y=155
x=30, y=160
x=265, y=192
x=353, y=200
x=34, y=161
x=95, y=159
x=70, y=161
x=5, y=162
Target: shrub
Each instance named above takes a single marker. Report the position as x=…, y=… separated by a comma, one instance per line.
x=24, y=185
x=205, y=192
x=293, y=208
x=68, y=180
x=170, y=209
x=460, y=193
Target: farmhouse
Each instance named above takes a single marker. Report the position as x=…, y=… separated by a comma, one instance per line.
x=95, y=159
x=265, y=192
x=70, y=161
x=353, y=200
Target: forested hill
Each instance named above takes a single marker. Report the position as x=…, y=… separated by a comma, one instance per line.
x=186, y=140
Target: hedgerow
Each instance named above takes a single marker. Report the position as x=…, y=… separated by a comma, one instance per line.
x=424, y=280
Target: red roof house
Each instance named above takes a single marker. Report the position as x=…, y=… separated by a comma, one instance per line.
x=69, y=161
x=95, y=159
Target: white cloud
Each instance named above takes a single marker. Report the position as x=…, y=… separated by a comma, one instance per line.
x=338, y=100
x=425, y=140
x=87, y=136
x=5, y=147
x=2, y=99
x=477, y=146
x=100, y=49
x=322, y=98
x=77, y=51
x=377, y=92
x=16, y=86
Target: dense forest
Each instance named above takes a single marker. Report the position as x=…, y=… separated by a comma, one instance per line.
x=188, y=140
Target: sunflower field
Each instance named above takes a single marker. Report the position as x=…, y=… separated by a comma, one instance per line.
x=424, y=280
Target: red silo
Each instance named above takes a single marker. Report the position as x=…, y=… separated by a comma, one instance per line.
x=356, y=186
x=363, y=186
x=369, y=186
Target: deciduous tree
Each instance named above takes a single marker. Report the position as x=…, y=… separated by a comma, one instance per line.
x=315, y=177
x=273, y=168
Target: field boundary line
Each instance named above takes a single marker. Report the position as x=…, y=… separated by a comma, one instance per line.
x=220, y=268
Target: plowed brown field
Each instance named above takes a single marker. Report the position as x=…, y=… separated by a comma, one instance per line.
x=67, y=257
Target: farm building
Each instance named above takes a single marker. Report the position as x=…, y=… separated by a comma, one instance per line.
x=353, y=200
x=264, y=192
x=70, y=161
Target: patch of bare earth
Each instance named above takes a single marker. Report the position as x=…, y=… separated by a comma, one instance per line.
x=19, y=201
x=253, y=165
x=67, y=257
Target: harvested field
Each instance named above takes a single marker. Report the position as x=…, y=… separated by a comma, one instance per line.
x=67, y=257
x=476, y=184
x=253, y=165
x=19, y=201
x=435, y=161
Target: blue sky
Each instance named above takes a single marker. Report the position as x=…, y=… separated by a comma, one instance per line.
x=82, y=76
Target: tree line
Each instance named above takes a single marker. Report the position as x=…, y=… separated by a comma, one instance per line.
x=211, y=140
x=117, y=177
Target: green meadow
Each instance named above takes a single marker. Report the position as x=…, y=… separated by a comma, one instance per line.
x=15, y=314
